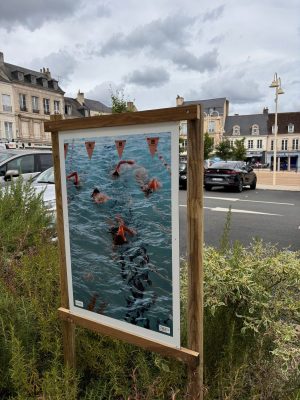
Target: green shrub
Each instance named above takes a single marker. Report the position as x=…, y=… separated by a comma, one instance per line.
x=251, y=323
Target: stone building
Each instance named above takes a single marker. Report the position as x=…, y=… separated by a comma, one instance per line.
x=82, y=107
x=288, y=140
x=254, y=130
x=27, y=99
x=214, y=111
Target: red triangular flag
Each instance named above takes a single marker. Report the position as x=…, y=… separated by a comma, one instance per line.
x=152, y=143
x=120, y=145
x=66, y=145
x=90, y=148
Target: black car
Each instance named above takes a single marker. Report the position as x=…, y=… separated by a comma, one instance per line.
x=183, y=175
x=231, y=174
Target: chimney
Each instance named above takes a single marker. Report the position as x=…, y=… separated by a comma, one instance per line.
x=1, y=59
x=80, y=97
x=265, y=111
x=48, y=73
x=179, y=100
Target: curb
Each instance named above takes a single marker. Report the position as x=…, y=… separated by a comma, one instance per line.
x=279, y=187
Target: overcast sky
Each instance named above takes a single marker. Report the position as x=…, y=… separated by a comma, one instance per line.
x=155, y=50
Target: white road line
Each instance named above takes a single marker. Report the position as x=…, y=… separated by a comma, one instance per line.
x=234, y=210
x=250, y=201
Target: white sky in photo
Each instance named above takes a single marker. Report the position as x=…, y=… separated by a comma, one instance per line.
x=154, y=50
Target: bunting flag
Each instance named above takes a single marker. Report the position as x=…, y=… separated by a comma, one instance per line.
x=90, y=148
x=120, y=145
x=152, y=143
x=66, y=145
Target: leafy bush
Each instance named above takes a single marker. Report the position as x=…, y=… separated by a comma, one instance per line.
x=251, y=323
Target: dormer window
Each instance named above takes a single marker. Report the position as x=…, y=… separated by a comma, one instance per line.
x=236, y=131
x=19, y=75
x=68, y=109
x=291, y=128
x=30, y=78
x=43, y=81
x=54, y=84
x=255, y=129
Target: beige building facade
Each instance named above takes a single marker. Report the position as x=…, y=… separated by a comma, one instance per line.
x=33, y=96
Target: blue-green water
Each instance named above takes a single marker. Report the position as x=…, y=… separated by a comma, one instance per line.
x=130, y=282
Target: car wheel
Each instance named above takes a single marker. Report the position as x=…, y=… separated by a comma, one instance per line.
x=239, y=188
x=207, y=187
x=253, y=184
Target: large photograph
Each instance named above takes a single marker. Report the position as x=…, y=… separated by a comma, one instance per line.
x=118, y=201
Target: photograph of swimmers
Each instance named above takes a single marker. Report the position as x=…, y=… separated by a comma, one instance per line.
x=120, y=229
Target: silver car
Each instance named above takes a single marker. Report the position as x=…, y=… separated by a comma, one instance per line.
x=27, y=163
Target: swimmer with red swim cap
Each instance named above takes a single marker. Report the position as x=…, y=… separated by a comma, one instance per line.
x=119, y=232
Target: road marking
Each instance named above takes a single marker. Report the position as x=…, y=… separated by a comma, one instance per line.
x=250, y=201
x=235, y=210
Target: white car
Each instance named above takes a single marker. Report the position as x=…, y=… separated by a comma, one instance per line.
x=44, y=183
x=27, y=163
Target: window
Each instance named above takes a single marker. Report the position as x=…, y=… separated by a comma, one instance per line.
x=35, y=104
x=36, y=130
x=6, y=103
x=290, y=128
x=231, y=143
x=295, y=144
x=236, y=130
x=284, y=144
x=45, y=162
x=8, y=130
x=24, y=164
x=46, y=103
x=259, y=143
x=68, y=109
x=56, y=107
x=272, y=144
x=211, y=126
x=86, y=113
x=255, y=129
x=22, y=102
x=250, y=144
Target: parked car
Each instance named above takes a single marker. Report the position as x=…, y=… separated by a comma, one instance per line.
x=44, y=183
x=231, y=174
x=27, y=163
x=183, y=175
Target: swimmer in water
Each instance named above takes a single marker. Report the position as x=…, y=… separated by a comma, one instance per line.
x=98, y=197
x=116, y=172
x=76, y=178
x=152, y=186
x=119, y=232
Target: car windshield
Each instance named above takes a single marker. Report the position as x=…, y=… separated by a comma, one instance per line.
x=182, y=166
x=46, y=176
x=226, y=165
x=5, y=155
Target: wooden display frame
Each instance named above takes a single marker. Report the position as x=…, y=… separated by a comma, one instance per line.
x=193, y=357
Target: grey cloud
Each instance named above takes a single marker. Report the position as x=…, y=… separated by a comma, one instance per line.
x=238, y=91
x=103, y=11
x=149, y=77
x=61, y=65
x=103, y=91
x=156, y=35
x=216, y=39
x=214, y=13
x=188, y=61
x=33, y=13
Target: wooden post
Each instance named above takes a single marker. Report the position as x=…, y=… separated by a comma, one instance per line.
x=195, y=169
x=68, y=327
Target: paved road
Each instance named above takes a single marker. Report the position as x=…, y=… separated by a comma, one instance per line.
x=271, y=215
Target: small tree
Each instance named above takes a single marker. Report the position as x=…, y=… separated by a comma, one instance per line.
x=118, y=104
x=223, y=150
x=208, y=146
x=239, y=151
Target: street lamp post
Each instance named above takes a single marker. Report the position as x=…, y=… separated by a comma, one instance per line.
x=278, y=90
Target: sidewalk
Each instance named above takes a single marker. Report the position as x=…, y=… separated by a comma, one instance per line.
x=285, y=180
